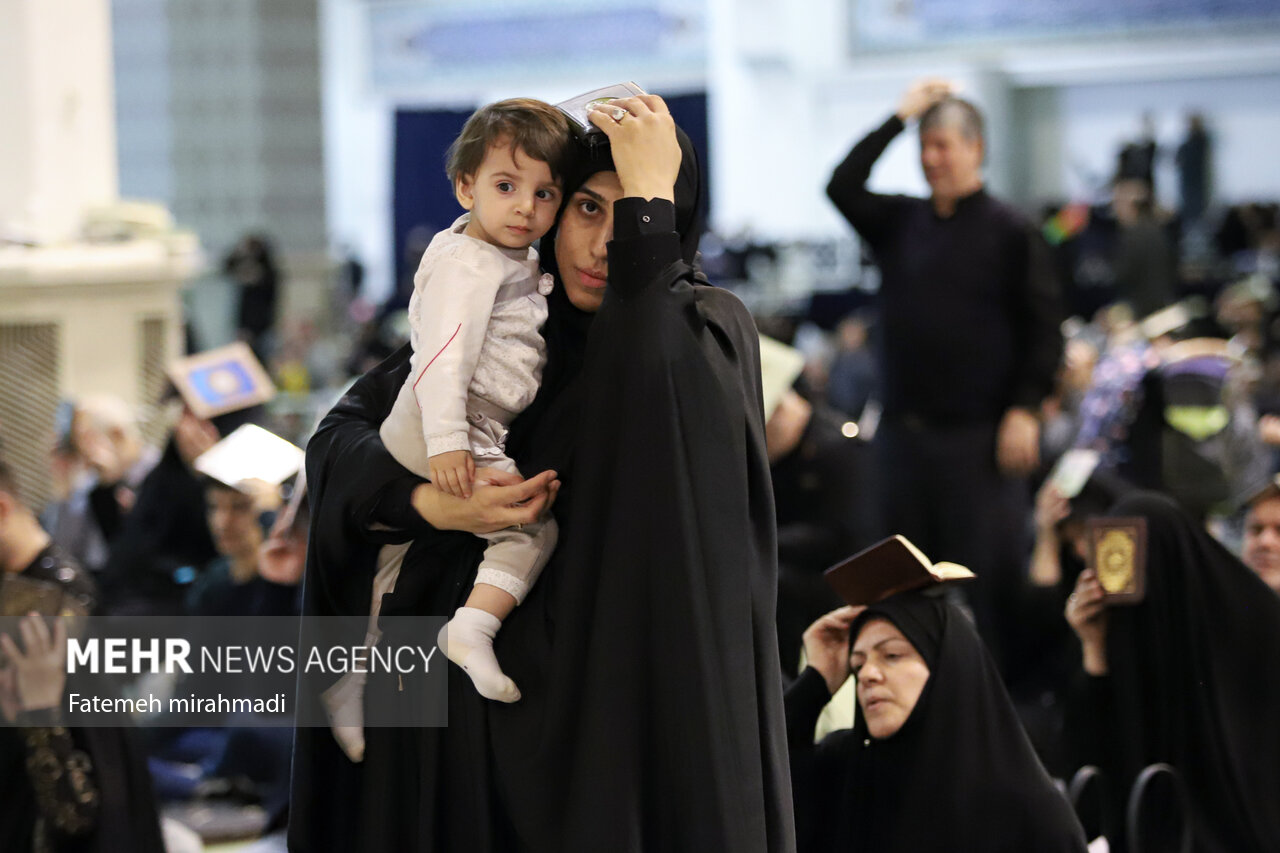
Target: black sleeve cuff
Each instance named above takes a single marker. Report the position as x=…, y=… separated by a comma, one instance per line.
x=810, y=690
x=803, y=703
x=894, y=124
x=644, y=243
x=633, y=217
x=395, y=507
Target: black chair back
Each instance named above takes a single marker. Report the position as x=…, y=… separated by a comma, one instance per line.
x=1158, y=819
x=1088, y=798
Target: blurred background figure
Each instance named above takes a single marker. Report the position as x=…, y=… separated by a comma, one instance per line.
x=251, y=265
x=108, y=448
x=1195, y=175
x=1062, y=413
x=165, y=538
x=1137, y=158
x=1145, y=264
x=232, y=584
x=852, y=379
x=970, y=344
x=1261, y=549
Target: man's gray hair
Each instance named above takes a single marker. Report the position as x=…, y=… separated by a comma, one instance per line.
x=954, y=112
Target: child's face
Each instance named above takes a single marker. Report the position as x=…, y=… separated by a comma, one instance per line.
x=512, y=197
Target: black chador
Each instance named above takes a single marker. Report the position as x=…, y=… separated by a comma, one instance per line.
x=651, y=716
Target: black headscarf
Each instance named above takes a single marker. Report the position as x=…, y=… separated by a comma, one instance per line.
x=567, y=326
x=595, y=158
x=959, y=775
x=1194, y=680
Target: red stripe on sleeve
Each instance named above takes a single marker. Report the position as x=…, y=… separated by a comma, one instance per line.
x=434, y=357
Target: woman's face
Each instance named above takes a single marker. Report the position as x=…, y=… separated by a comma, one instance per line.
x=586, y=227
x=891, y=676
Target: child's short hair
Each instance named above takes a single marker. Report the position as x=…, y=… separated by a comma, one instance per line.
x=536, y=128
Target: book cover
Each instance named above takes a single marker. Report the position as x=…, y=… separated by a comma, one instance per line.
x=888, y=567
x=221, y=380
x=578, y=108
x=250, y=459
x=1118, y=553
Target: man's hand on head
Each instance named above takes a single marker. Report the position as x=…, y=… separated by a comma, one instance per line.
x=922, y=95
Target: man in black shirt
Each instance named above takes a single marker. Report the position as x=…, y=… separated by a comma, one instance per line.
x=969, y=311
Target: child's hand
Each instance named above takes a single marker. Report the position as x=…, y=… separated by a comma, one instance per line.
x=453, y=472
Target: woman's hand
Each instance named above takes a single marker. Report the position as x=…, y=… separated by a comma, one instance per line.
x=1051, y=507
x=786, y=426
x=1087, y=614
x=40, y=670
x=826, y=645
x=499, y=500
x=643, y=140
x=193, y=437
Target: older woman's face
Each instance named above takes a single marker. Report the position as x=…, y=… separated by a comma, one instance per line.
x=586, y=227
x=891, y=676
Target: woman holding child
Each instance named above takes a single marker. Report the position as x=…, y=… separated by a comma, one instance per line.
x=650, y=713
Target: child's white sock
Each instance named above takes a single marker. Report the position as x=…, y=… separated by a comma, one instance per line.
x=467, y=640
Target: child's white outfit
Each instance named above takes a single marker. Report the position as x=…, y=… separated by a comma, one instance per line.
x=478, y=355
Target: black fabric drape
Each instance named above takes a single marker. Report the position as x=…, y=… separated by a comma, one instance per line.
x=960, y=775
x=359, y=498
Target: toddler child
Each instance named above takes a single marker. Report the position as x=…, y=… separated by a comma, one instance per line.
x=477, y=306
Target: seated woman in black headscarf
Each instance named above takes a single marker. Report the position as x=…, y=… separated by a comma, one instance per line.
x=1190, y=676
x=651, y=708
x=936, y=759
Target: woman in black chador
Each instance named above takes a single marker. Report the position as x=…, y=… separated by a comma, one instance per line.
x=1189, y=677
x=936, y=760
x=651, y=709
